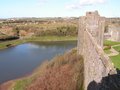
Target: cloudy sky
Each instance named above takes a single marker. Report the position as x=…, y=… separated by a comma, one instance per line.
x=57, y=8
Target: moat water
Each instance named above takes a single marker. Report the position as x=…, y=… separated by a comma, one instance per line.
x=21, y=60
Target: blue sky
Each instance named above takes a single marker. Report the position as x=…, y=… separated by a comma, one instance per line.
x=57, y=8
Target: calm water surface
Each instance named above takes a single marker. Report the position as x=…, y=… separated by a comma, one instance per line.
x=21, y=60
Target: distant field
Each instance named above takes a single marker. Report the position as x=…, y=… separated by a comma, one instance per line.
x=47, y=29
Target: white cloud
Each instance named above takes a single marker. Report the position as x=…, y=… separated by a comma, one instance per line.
x=41, y=2
x=91, y=2
x=73, y=6
x=81, y=3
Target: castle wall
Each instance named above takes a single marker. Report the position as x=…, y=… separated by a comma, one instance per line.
x=90, y=42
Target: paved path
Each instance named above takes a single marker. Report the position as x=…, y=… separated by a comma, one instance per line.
x=113, y=51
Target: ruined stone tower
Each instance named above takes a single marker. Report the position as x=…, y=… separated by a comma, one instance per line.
x=93, y=23
x=90, y=45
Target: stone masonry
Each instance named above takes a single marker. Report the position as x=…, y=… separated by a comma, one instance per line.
x=90, y=45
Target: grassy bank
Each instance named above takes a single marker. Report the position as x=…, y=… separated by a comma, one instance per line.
x=40, y=39
x=63, y=72
x=13, y=43
x=52, y=38
x=110, y=43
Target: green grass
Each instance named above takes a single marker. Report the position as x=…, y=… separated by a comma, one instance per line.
x=117, y=48
x=14, y=42
x=21, y=84
x=116, y=61
x=110, y=43
x=42, y=38
x=52, y=38
x=107, y=49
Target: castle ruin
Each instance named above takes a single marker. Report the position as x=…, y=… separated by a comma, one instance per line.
x=114, y=32
x=90, y=45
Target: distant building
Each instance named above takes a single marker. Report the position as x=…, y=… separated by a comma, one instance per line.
x=114, y=32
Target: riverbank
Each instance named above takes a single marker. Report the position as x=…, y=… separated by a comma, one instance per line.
x=7, y=44
x=62, y=72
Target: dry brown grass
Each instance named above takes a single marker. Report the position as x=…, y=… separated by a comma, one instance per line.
x=62, y=73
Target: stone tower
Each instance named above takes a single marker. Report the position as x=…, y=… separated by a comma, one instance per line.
x=93, y=23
